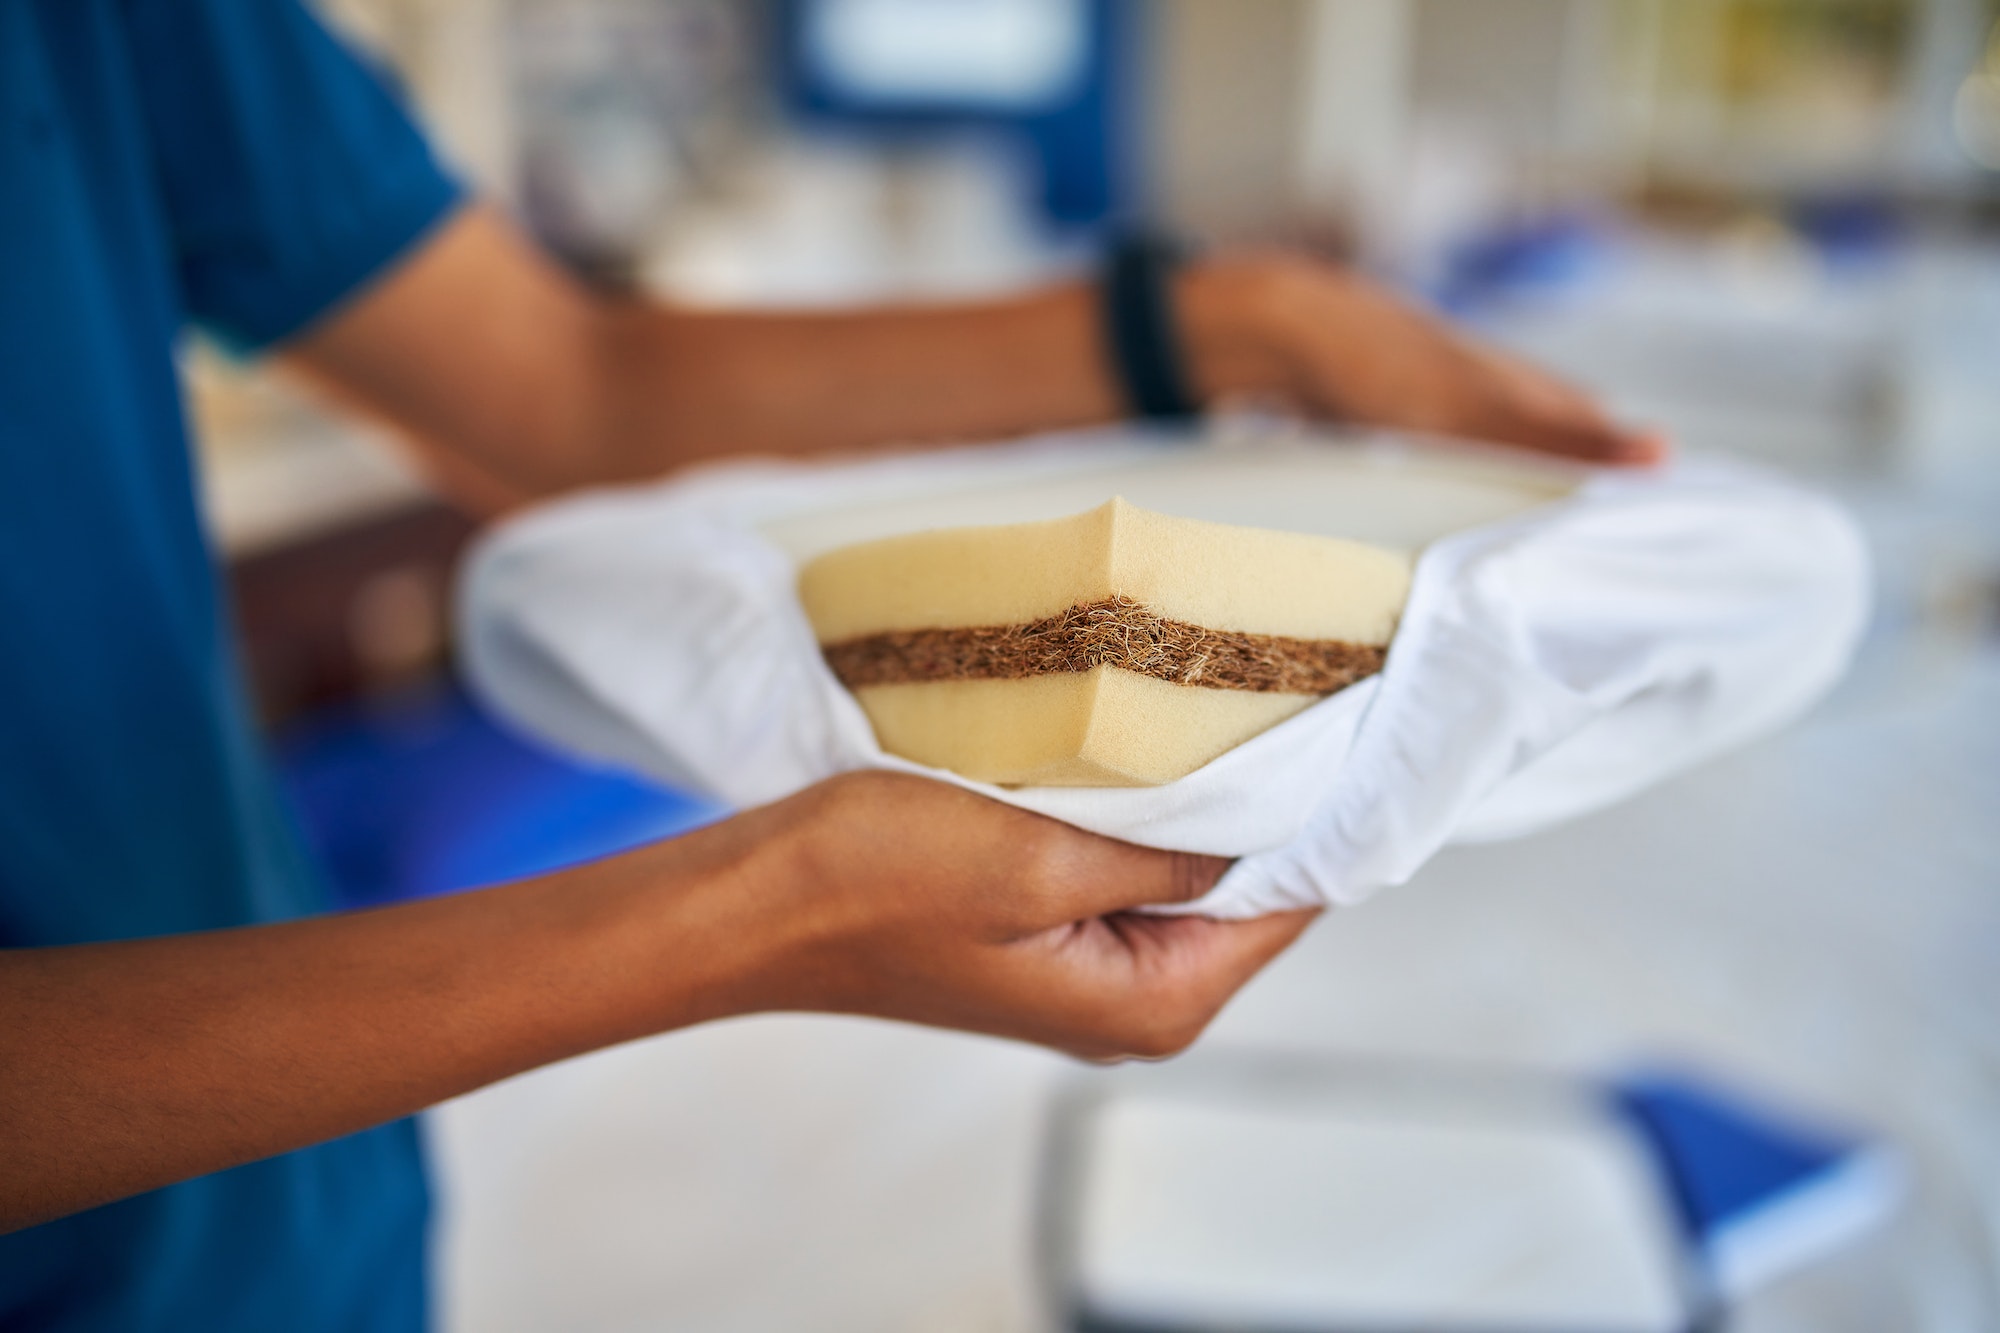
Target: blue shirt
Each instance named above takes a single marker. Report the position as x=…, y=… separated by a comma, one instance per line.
x=166, y=162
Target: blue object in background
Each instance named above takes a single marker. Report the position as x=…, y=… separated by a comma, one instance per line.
x=1534, y=257
x=1759, y=1192
x=425, y=794
x=1053, y=76
x=1850, y=233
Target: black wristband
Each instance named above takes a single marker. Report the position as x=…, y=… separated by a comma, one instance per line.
x=1141, y=329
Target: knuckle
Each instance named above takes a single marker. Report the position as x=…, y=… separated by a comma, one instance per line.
x=1190, y=876
x=844, y=798
x=1043, y=872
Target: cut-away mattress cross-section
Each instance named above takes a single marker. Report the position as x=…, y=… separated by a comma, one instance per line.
x=1117, y=647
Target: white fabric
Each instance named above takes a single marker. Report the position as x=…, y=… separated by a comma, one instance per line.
x=1546, y=665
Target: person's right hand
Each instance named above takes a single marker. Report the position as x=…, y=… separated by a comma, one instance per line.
x=893, y=896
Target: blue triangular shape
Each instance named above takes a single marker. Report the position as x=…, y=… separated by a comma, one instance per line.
x=1758, y=1192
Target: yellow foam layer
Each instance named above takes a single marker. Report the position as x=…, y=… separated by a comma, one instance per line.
x=1219, y=576
x=1101, y=728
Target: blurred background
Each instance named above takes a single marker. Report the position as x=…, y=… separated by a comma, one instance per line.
x=1769, y=226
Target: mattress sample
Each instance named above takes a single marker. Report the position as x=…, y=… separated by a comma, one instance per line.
x=1117, y=647
x=1570, y=637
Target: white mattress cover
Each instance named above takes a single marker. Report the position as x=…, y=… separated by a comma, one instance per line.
x=1571, y=637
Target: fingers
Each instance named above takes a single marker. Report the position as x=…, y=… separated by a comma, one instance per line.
x=1528, y=407
x=1153, y=984
x=1209, y=959
x=1584, y=436
x=1368, y=355
x=1247, y=945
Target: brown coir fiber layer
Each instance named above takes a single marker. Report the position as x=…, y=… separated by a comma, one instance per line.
x=1116, y=632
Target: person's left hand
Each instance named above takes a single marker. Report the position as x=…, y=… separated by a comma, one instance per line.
x=1338, y=345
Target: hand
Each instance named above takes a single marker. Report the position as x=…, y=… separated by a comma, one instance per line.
x=1341, y=346
x=908, y=899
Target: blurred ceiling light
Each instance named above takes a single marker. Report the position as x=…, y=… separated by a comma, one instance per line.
x=1976, y=109
x=1004, y=54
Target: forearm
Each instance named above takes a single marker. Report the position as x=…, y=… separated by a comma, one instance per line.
x=691, y=385
x=696, y=385
x=130, y=1065
x=514, y=382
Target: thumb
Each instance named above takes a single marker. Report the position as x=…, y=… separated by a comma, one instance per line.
x=1097, y=876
